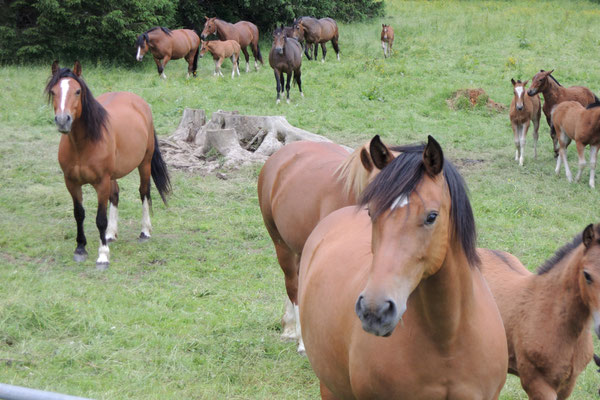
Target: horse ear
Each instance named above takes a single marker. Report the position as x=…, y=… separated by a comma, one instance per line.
x=365, y=159
x=525, y=83
x=433, y=157
x=550, y=73
x=77, y=68
x=383, y=25
x=206, y=17
x=513, y=81
x=588, y=235
x=380, y=154
x=55, y=67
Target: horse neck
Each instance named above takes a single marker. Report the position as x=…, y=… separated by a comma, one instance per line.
x=221, y=25
x=552, y=91
x=78, y=135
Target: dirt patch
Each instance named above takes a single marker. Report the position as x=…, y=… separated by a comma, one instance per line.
x=471, y=98
x=468, y=163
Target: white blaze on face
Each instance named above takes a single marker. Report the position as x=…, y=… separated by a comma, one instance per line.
x=138, y=53
x=399, y=202
x=64, y=89
x=519, y=91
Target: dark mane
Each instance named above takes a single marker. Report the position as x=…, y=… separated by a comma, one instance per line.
x=144, y=36
x=595, y=104
x=560, y=254
x=93, y=115
x=401, y=177
x=554, y=79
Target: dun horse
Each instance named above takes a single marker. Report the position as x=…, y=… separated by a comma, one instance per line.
x=547, y=316
x=387, y=39
x=221, y=49
x=572, y=121
x=166, y=45
x=427, y=325
x=243, y=32
x=299, y=185
x=554, y=94
x=285, y=57
x=315, y=31
x=103, y=140
x=523, y=111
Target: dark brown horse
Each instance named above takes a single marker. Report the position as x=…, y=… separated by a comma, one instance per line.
x=285, y=57
x=166, y=45
x=243, y=32
x=103, y=140
x=312, y=30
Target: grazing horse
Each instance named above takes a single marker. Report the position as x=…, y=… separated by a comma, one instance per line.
x=317, y=31
x=103, y=140
x=387, y=38
x=554, y=93
x=572, y=121
x=285, y=57
x=547, y=316
x=425, y=325
x=523, y=111
x=166, y=45
x=221, y=49
x=243, y=32
x=299, y=185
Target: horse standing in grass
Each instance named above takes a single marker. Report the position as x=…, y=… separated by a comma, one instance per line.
x=221, y=49
x=572, y=121
x=425, y=325
x=547, y=316
x=315, y=31
x=285, y=57
x=554, y=93
x=103, y=140
x=166, y=45
x=243, y=32
x=298, y=186
x=387, y=40
x=523, y=111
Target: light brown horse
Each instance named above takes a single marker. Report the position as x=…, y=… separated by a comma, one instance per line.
x=285, y=57
x=554, y=93
x=387, y=39
x=427, y=327
x=166, y=45
x=243, y=32
x=315, y=31
x=221, y=49
x=103, y=140
x=299, y=185
x=547, y=316
x=572, y=121
x=523, y=111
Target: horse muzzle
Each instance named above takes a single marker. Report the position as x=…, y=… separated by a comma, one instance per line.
x=279, y=50
x=379, y=318
x=203, y=36
x=139, y=58
x=519, y=107
x=532, y=92
x=63, y=122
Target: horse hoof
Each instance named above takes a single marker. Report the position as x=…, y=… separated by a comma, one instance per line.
x=80, y=256
x=102, y=266
x=301, y=94
x=287, y=101
x=277, y=101
x=111, y=239
x=143, y=238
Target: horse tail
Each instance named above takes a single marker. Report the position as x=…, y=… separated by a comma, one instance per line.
x=258, y=53
x=158, y=170
x=195, y=65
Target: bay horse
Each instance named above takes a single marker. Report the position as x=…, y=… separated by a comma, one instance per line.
x=165, y=45
x=547, y=315
x=103, y=140
x=425, y=325
x=387, y=39
x=315, y=31
x=554, y=93
x=243, y=32
x=299, y=185
x=221, y=49
x=523, y=111
x=285, y=57
x=581, y=124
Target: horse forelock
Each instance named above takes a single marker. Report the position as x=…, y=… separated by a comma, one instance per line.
x=141, y=39
x=560, y=254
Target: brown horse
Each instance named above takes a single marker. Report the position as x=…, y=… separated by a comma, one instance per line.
x=103, y=140
x=166, y=45
x=547, y=316
x=299, y=185
x=427, y=326
x=221, y=49
x=581, y=124
x=243, y=32
x=523, y=111
x=554, y=94
x=285, y=57
x=387, y=39
x=312, y=30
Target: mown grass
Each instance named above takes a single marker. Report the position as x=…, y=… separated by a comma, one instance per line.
x=195, y=312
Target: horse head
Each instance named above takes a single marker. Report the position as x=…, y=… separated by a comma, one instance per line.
x=210, y=27
x=298, y=30
x=65, y=91
x=519, y=90
x=589, y=276
x=203, y=48
x=142, y=46
x=539, y=82
x=279, y=40
x=384, y=31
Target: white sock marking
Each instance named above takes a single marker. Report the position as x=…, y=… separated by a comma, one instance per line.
x=103, y=252
x=64, y=89
x=146, y=225
x=301, y=348
x=113, y=216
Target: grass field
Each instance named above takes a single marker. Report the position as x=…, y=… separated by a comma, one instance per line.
x=194, y=313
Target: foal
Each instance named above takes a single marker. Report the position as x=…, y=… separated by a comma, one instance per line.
x=220, y=50
x=523, y=111
x=387, y=37
x=285, y=57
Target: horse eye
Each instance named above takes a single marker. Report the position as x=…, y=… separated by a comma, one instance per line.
x=588, y=277
x=78, y=92
x=431, y=217
x=52, y=93
x=369, y=211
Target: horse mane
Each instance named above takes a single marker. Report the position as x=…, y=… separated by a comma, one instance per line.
x=144, y=36
x=401, y=177
x=595, y=104
x=561, y=253
x=352, y=173
x=554, y=79
x=93, y=114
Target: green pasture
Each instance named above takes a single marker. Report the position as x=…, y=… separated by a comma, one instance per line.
x=194, y=313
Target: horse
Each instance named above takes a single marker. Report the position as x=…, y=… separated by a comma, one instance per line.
x=547, y=315
x=243, y=32
x=425, y=325
x=387, y=38
x=312, y=30
x=103, y=140
x=581, y=124
x=554, y=93
x=299, y=185
x=523, y=111
x=220, y=49
x=285, y=57
x=166, y=45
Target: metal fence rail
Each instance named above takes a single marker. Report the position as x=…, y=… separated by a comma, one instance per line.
x=10, y=392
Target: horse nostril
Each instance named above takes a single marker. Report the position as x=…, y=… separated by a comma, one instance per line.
x=68, y=118
x=359, y=305
x=55, y=118
x=390, y=310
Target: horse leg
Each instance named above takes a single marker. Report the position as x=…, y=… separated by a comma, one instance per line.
x=287, y=87
x=383, y=47
x=316, y=51
x=326, y=393
x=289, y=262
x=79, y=212
x=145, y=170
x=562, y=153
x=308, y=50
x=237, y=63
x=247, y=57
x=536, y=127
x=103, y=190
x=522, y=138
x=219, y=62
x=232, y=58
x=324, y=49
x=336, y=47
x=297, y=78
x=593, y=157
x=113, y=212
x=538, y=389
x=515, y=128
x=164, y=62
x=254, y=48
x=581, y=163
x=278, y=81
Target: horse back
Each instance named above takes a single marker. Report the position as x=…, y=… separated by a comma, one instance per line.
x=245, y=33
x=566, y=115
x=183, y=41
